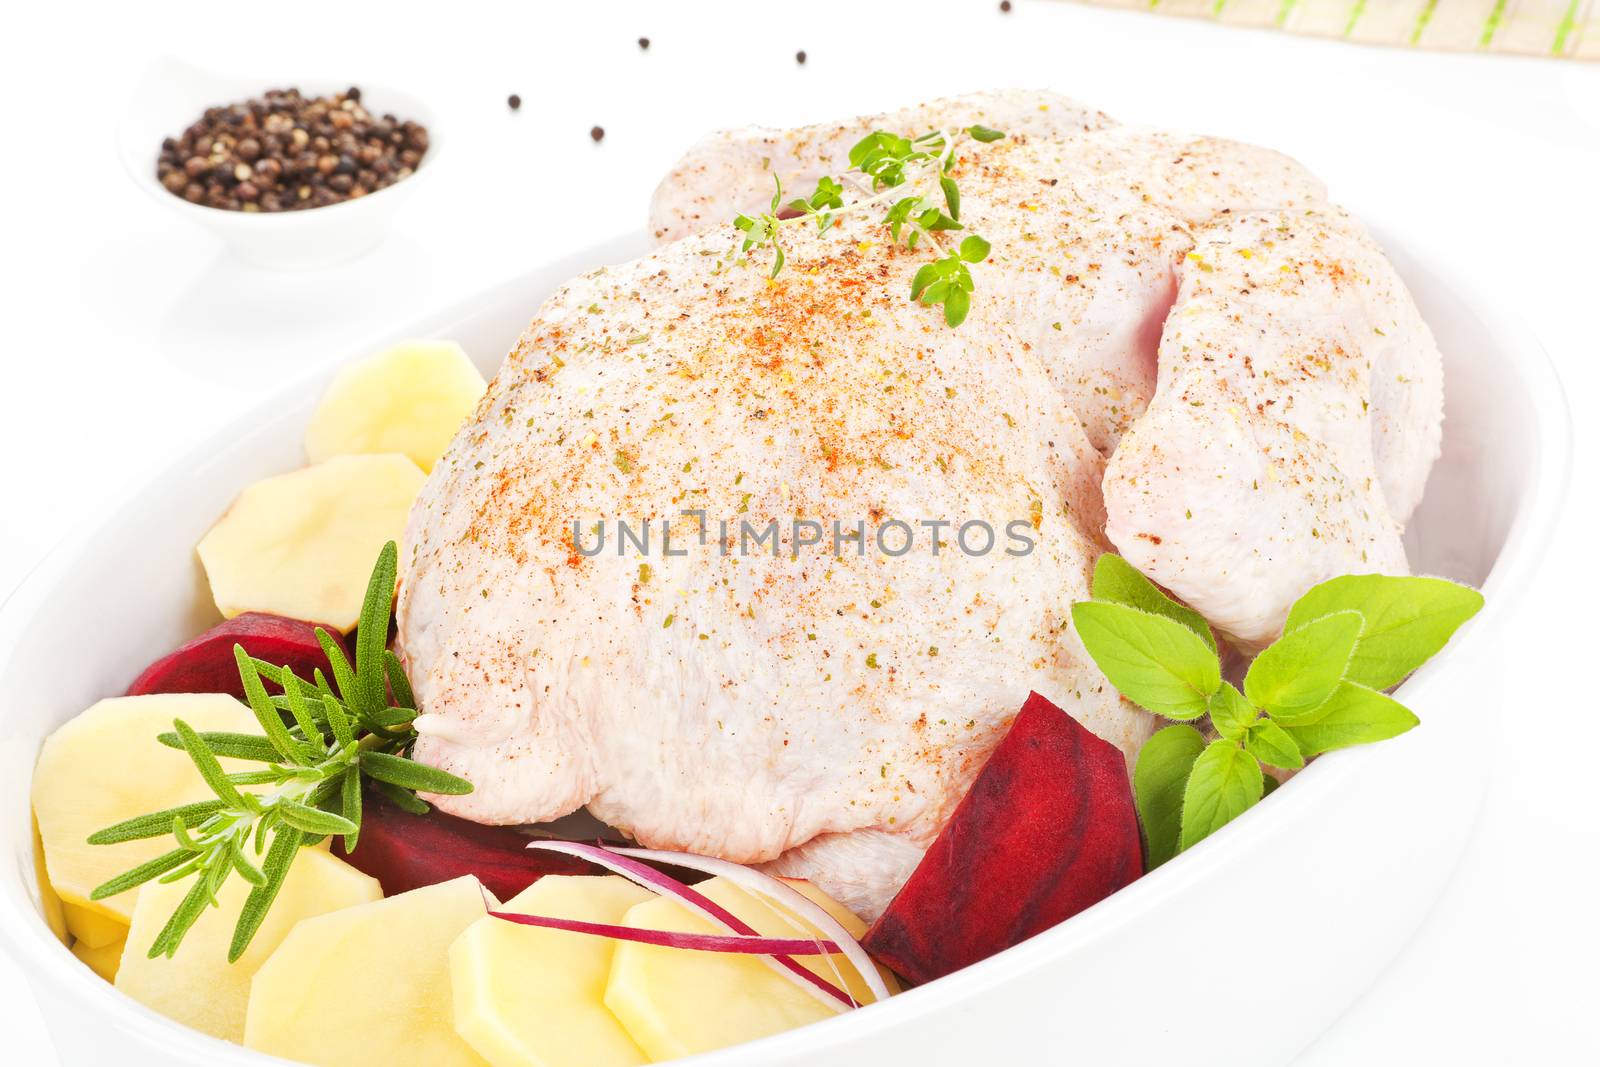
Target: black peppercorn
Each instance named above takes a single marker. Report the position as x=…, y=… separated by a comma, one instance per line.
x=800, y=57
x=514, y=102
x=644, y=44
x=286, y=152
x=597, y=134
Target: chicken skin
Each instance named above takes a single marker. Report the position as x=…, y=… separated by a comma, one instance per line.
x=1298, y=412
x=821, y=706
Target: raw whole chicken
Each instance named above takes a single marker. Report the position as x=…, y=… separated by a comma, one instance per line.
x=818, y=705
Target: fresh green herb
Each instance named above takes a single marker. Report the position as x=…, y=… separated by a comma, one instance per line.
x=1154, y=661
x=314, y=762
x=901, y=173
x=1159, y=780
x=1224, y=783
x=1315, y=689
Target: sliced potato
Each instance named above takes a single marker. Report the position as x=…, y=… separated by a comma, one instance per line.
x=199, y=987
x=93, y=928
x=677, y=1002
x=527, y=997
x=50, y=907
x=409, y=399
x=368, y=985
x=302, y=545
x=102, y=960
x=106, y=766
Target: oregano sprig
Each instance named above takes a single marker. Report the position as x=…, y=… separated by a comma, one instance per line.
x=318, y=742
x=1316, y=688
x=899, y=174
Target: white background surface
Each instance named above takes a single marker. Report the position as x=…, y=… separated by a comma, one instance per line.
x=128, y=334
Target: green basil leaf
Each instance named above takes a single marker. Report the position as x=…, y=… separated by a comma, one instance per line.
x=1159, y=778
x=1297, y=672
x=1117, y=580
x=1157, y=663
x=1224, y=784
x=1354, y=715
x=1231, y=713
x=1272, y=745
x=1407, y=620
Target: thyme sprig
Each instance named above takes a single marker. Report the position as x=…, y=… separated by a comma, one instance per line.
x=898, y=173
x=317, y=743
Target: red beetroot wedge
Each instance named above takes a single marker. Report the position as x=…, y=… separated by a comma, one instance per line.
x=1048, y=829
x=206, y=664
x=405, y=851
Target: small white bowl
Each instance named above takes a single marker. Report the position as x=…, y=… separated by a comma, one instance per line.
x=173, y=95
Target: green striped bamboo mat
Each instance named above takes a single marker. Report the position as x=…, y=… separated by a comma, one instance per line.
x=1569, y=28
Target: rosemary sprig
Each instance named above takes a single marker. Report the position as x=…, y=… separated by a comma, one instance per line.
x=314, y=762
x=897, y=171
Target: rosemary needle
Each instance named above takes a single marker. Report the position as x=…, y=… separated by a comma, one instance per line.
x=318, y=742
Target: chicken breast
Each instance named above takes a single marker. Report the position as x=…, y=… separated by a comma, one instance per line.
x=1297, y=414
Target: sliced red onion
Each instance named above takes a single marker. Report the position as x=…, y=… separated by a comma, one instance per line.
x=732, y=943
x=819, y=987
x=779, y=893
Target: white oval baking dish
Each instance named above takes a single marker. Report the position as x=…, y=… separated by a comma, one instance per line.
x=1341, y=864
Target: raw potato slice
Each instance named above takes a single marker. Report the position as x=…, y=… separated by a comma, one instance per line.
x=393, y=958
x=50, y=906
x=199, y=987
x=676, y=1002
x=103, y=961
x=106, y=766
x=527, y=997
x=302, y=545
x=409, y=399
x=93, y=928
